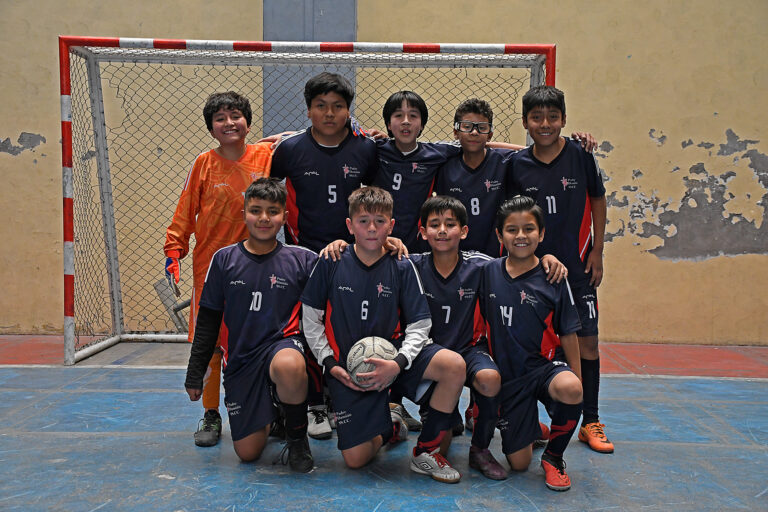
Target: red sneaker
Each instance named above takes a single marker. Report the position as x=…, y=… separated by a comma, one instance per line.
x=554, y=472
x=544, y=439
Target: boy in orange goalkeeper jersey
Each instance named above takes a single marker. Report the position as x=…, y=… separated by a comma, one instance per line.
x=210, y=206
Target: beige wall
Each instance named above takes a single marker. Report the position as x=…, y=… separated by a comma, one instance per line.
x=674, y=91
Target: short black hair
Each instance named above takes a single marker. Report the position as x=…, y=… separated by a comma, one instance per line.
x=327, y=82
x=395, y=101
x=268, y=189
x=519, y=204
x=474, y=106
x=440, y=204
x=543, y=96
x=372, y=200
x=229, y=100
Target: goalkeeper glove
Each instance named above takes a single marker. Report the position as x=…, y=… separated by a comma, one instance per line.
x=357, y=130
x=172, y=271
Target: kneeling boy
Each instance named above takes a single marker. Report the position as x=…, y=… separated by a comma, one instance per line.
x=525, y=315
x=370, y=293
x=254, y=286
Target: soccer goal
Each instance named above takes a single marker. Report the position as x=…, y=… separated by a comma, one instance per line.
x=131, y=122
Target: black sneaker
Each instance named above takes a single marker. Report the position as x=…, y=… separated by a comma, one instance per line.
x=458, y=429
x=412, y=423
x=297, y=455
x=208, y=429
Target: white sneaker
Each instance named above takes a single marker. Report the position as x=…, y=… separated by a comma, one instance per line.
x=401, y=427
x=434, y=465
x=318, y=426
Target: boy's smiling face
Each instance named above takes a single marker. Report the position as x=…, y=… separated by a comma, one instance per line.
x=329, y=113
x=544, y=125
x=405, y=125
x=264, y=219
x=443, y=231
x=474, y=141
x=229, y=126
x=520, y=235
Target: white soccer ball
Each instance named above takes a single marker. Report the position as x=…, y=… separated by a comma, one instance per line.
x=371, y=346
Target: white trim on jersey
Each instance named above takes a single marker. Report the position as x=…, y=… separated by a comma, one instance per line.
x=186, y=181
x=418, y=278
x=583, y=250
x=212, y=257
x=570, y=294
x=476, y=254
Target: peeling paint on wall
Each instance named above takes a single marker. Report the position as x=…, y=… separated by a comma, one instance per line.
x=26, y=141
x=723, y=210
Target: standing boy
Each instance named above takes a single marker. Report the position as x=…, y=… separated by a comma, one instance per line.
x=210, y=206
x=370, y=293
x=525, y=315
x=565, y=182
x=254, y=287
x=322, y=166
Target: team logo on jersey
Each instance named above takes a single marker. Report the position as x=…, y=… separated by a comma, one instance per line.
x=527, y=299
x=455, y=189
x=492, y=185
x=383, y=291
x=254, y=176
x=429, y=294
x=221, y=185
x=568, y=183
x=311, y=173
x=532, y=189
x=415, y=167
x=346, y=289
x=278, y=282
x=235, y=283
x=466, y=292
x=351, y=172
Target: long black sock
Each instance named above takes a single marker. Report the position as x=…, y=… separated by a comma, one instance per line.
x=590, y=381
x=432, y=430
x=565, y=419
x=485, y=422
x=295, y=420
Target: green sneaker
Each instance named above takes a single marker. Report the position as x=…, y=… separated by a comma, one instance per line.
x=209, y=429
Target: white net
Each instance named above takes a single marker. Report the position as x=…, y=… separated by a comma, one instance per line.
x=137, y=127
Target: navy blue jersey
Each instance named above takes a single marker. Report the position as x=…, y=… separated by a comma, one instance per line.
x=319, y=180
x=562, y=189
x=481, y=191
x=360, y=300
x=453, y=301
x=525, y=316
x=410, y=179
x=259, y=295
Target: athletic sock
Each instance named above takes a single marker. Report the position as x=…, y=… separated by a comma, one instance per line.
x=432, y=430
x=295, y=420
x=565, y=418
x=315, y=395
x=590, y=381
x=485, y=421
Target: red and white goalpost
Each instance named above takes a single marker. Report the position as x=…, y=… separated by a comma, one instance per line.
x=131, y=125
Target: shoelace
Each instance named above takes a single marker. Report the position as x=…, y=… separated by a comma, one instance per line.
x=282, y=457
x=319, y=415
x=596, y=429
x=440, y=460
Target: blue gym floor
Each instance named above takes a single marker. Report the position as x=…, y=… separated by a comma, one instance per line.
x=112, y=437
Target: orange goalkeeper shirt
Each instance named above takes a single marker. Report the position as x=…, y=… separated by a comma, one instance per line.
x=211, y=205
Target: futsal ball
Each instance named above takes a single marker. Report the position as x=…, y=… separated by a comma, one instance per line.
x=372, y=346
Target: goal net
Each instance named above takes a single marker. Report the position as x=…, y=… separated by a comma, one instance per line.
x=132, y=126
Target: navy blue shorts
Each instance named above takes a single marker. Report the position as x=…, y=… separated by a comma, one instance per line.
x=363, y=415
x=519, y=422
x=585, y=298
x=250, y=395
x=477, y=358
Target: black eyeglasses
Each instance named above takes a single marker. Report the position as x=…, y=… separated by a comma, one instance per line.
x=468, y=126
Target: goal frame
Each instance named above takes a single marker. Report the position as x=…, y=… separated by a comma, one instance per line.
x=542, y=70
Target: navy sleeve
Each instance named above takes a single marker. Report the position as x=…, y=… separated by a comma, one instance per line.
x=413, y=303
x=213, y=289
x=373, y=164
x=279, y=168
x=565, y=319
x=316, y=292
